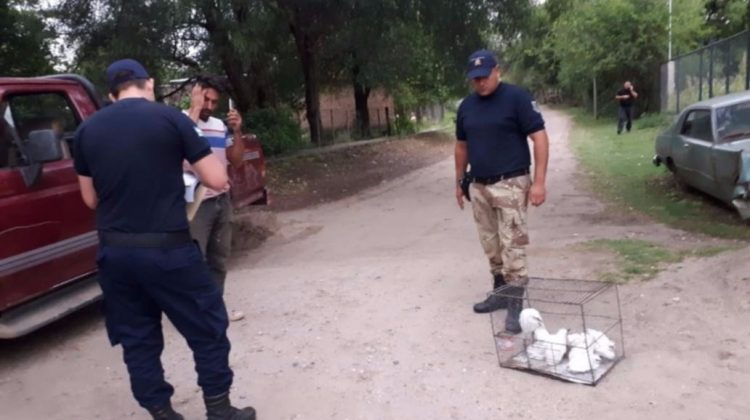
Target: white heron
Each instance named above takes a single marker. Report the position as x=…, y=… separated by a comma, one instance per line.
x=548, y=347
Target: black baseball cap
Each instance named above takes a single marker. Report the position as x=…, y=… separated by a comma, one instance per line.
x=480, y=64
x=124, y=70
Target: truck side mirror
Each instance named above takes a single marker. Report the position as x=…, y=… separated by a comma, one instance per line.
x=41, y=147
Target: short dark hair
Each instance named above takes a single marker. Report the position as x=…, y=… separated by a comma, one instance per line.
x=125, y=75
x=212, y=83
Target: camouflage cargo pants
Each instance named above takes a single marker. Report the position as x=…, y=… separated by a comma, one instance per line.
x=500, y=216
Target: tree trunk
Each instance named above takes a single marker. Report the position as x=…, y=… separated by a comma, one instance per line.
x=230, y=62
x=262, y=87
x=361, y=95
x=312, y=94
x=307, y=51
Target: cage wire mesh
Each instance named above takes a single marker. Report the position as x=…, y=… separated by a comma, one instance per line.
x=582, y=336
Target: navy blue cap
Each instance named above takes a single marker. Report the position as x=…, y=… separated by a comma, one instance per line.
x=480, y=64
x=124, y=70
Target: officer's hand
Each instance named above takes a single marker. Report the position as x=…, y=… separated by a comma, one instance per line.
x=234, y=120
x=460, y=197
x=537, y=194
x=197, y=97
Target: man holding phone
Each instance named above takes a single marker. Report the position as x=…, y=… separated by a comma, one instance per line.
x=211, y=226
x=625, y=97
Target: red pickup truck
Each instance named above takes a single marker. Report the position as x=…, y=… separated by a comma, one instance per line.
x=47, y=236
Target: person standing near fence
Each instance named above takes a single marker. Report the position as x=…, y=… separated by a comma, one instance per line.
x=625, y=96
x=492, y=127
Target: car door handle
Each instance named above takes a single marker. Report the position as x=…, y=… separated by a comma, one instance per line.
x=686, y=145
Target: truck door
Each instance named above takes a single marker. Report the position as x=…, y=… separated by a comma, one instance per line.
x=47, y=235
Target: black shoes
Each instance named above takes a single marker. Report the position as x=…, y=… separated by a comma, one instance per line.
x=493, y=302
x=165, y=413
x=515, y=306
x=512, y=300
x=219, y=408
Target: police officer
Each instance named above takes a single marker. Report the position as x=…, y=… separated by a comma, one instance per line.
x=492, y=126
x=129, y=161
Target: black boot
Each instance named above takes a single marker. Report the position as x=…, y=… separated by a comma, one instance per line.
x=165, y=413
x=219, y=408
x=515, y=306
x=493, y=302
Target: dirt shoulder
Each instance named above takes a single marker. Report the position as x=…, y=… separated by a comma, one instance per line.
x=312, y=179
x=319, y=177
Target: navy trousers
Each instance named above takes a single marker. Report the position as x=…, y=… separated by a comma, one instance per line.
x=139, y=284
x=624, y=118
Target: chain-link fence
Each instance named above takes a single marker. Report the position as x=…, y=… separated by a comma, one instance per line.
x=716, y=69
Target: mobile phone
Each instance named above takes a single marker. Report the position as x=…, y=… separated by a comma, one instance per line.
x=231, y=104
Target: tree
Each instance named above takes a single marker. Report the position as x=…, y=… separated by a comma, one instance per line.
x=107, y=30
x=415, y=48
x=726, y=17
x=377, y=47
x=26, y=41
x=611, y=40
x=245, y=40
x=310, y=23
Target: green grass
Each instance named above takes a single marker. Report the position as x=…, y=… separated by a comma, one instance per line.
x=642, y=260
x=621, y=172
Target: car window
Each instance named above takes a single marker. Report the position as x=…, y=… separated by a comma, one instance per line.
x=733, y=122
x=25, y=113
x=697, y=125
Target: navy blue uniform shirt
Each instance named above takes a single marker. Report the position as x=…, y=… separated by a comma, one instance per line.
x=495, y=128
x=133, y=150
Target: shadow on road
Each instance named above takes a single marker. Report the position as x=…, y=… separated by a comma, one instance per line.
x=50, y=338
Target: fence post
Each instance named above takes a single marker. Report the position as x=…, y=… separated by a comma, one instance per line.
x=700, y=77
x=677, y=85
x=595, y=98
x=711, y=72
x=388, y=120
x=726, y=66
x=333, y=128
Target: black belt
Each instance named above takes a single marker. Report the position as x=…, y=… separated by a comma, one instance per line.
x=497, y=178
x=145, y=240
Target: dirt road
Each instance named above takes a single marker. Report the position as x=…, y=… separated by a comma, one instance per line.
x=361, y=309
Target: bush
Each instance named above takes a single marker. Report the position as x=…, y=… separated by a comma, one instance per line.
x=277, y=130
x=653, y=121
x=402, y=125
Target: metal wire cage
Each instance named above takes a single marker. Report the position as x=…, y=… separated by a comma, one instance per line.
x=582, y=339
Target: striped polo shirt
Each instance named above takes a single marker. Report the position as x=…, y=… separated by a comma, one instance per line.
x=215, y=131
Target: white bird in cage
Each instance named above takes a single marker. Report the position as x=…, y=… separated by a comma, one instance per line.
x=530, y=319
x=555, y=345
x=602, y=345
x=548, y=347
x=581, y=357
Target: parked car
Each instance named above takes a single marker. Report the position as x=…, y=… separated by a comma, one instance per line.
x=708, y=148
x=47, y=236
